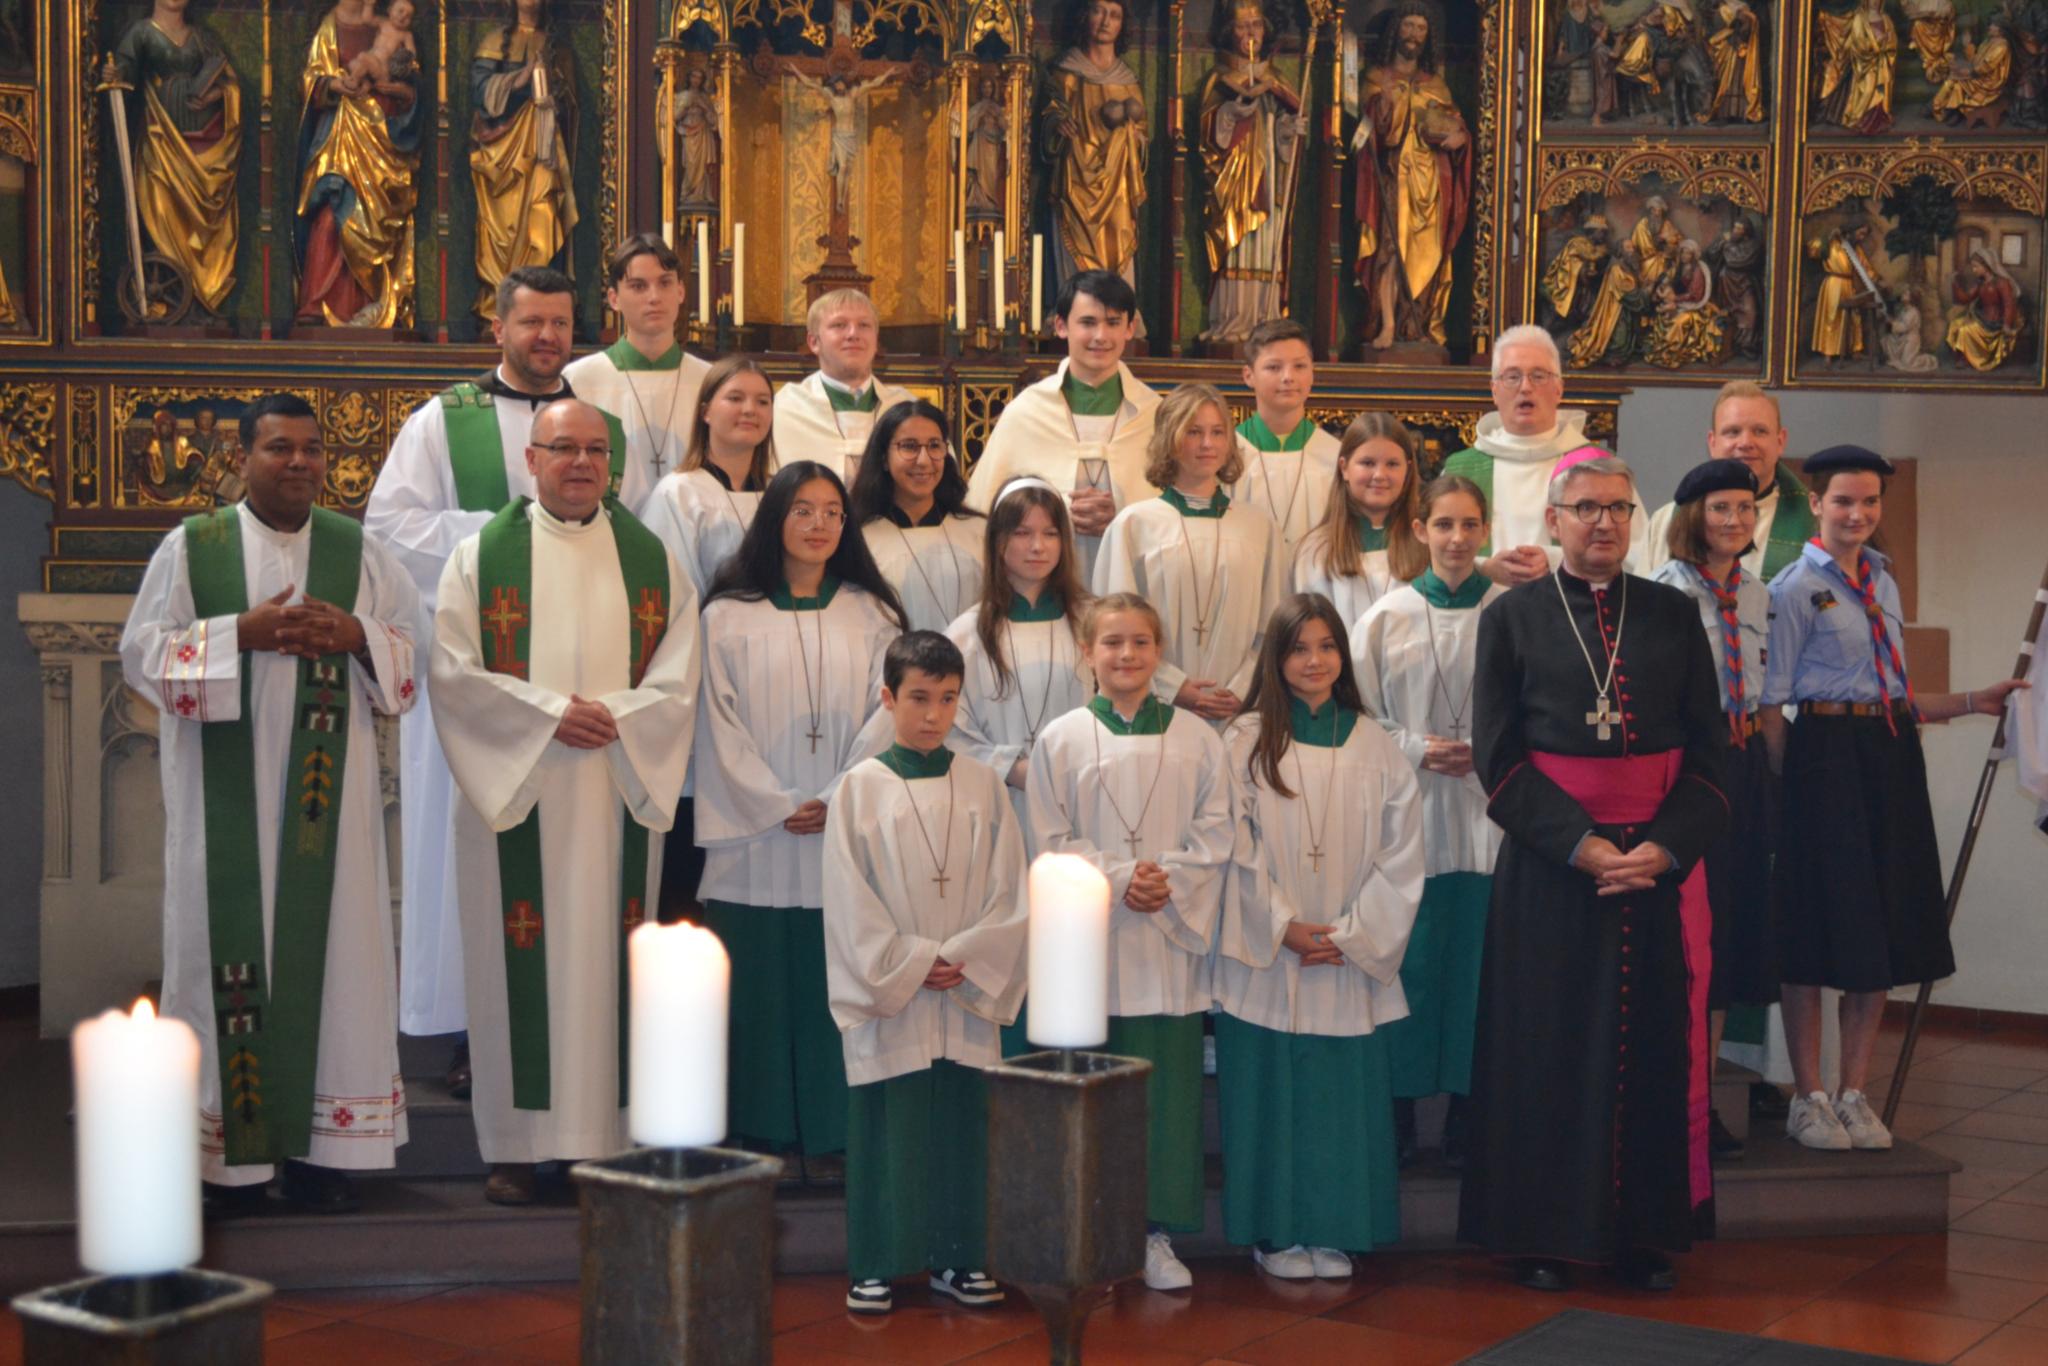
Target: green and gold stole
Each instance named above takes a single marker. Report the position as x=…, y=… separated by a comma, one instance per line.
x=476, y=448
x=1791, y=526
x=267, y=1006
x=505, y=605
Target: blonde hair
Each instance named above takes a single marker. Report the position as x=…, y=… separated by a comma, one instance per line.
x=1175, y=414
x=1744, y=388
x=1108, y=606
x=832, y=301
x=1336, y=545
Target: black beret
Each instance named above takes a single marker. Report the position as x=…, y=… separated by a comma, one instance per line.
x=1715, y=476
x=1836, y=459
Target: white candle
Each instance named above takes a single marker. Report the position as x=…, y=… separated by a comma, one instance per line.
x=668, y=234
x=704, y=272
x=959, y=279
x=1002, y=261
x=739, y=274
x=1037, y=279
x=681, y=981
x=136, y=1080
x=1067, y=954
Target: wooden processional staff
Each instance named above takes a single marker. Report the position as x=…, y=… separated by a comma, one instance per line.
x=1962, y=868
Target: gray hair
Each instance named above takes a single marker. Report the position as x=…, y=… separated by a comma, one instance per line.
x=1529, y=334
x=1605, y=464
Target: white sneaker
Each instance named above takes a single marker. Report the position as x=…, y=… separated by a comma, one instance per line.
x=1865, y=1129
x=1331, y=1265
x=1163, y=1270
x=1288, y=1263
x=1811, y=1122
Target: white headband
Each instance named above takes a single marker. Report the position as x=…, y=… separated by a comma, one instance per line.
x=1023, y=481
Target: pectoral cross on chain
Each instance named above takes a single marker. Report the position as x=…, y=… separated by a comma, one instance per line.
x=1603, y=717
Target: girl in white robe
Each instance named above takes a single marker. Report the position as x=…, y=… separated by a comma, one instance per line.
x=910, y=503
x=793, y=637
x=1142, y=791
x=1415, y=652
x=1363, y=546
x=1321, y=900
x=1213, y=571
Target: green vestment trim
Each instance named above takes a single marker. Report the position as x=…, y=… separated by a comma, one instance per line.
x=1219, y=503
x=866, y=401
x=1440, y=594
x=1093, y=400
x=907, y=763
x=1319, y=727
x=476, y=447
x=1370, y=537
x=1791, y=527
x=267, y=1006
x=1255, y=430
x=1153, y=716
x=1049, y=607
x=626, y=356
x=827, y=587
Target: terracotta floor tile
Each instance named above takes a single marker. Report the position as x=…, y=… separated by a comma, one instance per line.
x=1031, y=1350
x=1985, y=1183
x=569, y=1292
x=799, y=1300
x=561, y=1346
x=10, y=1338
x=1985, y=1255
x=1239, y=1282
x=917, y=1334
x=2032, y=1191
x=2002, y=1077
x=815, y=1356
x=1326, y=1340
x=2009, y=1346
x=2017, y=1051
x=2006, y=1219
x=1137, y=1317
x=1939, y=1289
x=1869, y=1248
x=1473, y=1315
x=1989, y=1123
x=279, y=1322
x=1873, y=1328
x=1994, y=1154
x=2037, y=1317
x=352, y=1302
x=477, y=1316
x=1928, y=1091
x=1915, y=1119
x=355, y=1344
x=1959, y=1205
x=2022, y=1103
x=1765, y=1264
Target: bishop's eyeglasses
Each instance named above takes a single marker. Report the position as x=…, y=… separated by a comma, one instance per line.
x=1590, y=512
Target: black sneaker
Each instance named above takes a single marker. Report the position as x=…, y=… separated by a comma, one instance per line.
x=231, y=1202
x=971, y=1288
x=1724, y=1146
x=870, y=1297
x=1768, y=1102
x=1645, y=1268
x=318, y=1190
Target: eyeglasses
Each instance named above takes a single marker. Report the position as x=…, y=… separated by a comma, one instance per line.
x=1536, y=379
x=1732, y=512
x=598, y=453
x=933, y=450
x=804, y=514
x=1590, y=512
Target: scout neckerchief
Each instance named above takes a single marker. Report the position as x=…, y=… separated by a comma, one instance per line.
x=1882, y=647
x=627, y=358
x=505, y=609
x=1731, y=644
x=1791, y=525
x=267, y=1006
x=476, y=445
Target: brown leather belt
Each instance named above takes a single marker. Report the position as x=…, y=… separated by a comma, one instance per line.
x=1746, y=724
x=1897, y=708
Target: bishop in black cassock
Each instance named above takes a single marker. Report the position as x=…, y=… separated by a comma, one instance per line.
x=1578, y=1145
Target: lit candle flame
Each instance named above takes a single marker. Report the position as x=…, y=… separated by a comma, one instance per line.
x=143, y=1010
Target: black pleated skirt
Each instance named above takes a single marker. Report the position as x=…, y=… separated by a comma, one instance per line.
x=1739, y=885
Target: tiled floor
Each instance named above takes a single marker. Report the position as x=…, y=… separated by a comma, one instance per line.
x=1977, y=1295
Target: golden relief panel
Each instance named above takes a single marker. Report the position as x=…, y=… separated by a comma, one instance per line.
x=82, y=453
x=178, y=448
x=28, y=436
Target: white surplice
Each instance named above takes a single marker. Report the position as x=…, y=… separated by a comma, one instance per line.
x=1178, y=798
x=757, y=764
x=997, y=725
x=936, y=570
x=1291, y=487
x=1165, y=557
x=1397, y=675
x=1360, y=806
x=1350, y=594
x=887, y=920
x=808, y=427
x=1037, y=433
x=654, y=407
x=700, y=520
x=499, y=735
x=191, y=669
x=413, y=511
x=1522, y=467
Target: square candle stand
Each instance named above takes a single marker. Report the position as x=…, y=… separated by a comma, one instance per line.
x=180, y=1318
x=678, y=1256
x=1066, y=1183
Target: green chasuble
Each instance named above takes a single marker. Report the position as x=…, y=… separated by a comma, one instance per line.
x=505, y=595
x=1255, y=430
x=866, y=401
x=1093, y=400
x=1791, y=525
x=267, y=1007
x=1219, y=503
x=476, y=445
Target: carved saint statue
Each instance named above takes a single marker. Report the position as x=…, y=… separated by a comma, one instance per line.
x=696, y=116
x=1974, y=90
x=522, y=83
x=1252, y=134
x=1848, y=292
x=1414, y=187
x=1629, y=289
x=1984, y=328
x=1735, y=49
x=191, y=141
x=1861, y=62
x=359, y=161
x=1931, y=25
x=988, y=140
x=843, y=95
x=1096, y=139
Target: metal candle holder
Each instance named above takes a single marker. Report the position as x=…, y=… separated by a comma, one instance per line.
x=180, y=1318
x=1066, y=1191
x=678, y=1256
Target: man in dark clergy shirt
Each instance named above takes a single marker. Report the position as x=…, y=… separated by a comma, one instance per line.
x=1598, y=735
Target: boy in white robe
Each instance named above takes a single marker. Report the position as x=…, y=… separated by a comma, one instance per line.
x=644, y=379
x=827, y=415
x=565, y=652
x=1290, y=462
x=1085, y=428
x=924, y=936
x=248, y=624
x=1143, y=791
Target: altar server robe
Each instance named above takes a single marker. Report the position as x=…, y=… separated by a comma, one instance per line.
x=499, y=734
x=808, y=427
x=1048, y=679
x=1351, y=594
x=358, y=1098
x=655, y=403
x=935, y=567
x=1291, y=487
x=887, y=920
x=700, y=520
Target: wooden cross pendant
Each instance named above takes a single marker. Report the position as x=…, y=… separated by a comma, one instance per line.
x=1132, y=840
x=1457, y=729
x=1603, y=718
x=660, y=462
x=942, y=880
x=814, y=735
x=1201, y=634
x=1315, y=858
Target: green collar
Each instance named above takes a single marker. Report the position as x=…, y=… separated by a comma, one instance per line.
x=1370, y=537
x=1219, y=503
x=626, y=356
x=866, y=401
x=1094, y=400
x=1437, y=593
x=1255, y=430
x=934, y=516
x=1049, y=607
x=784, y=602
x=1153, y=717
x=1325, y=729
x=907, y=763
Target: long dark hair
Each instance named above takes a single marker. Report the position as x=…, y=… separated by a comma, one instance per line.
x=1003, y=520
x=1386, y=43
x=874, y=488
x=698, y=453
x=1270, y=699
x=756, y=568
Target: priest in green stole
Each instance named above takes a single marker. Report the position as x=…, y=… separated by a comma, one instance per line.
x=1746, y=426
x=268, y=634
x=565, y=684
